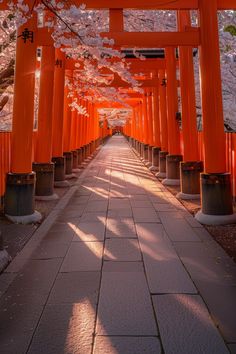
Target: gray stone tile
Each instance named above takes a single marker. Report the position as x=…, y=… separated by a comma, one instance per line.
x=17, y=326
x=126, y=345
x=185, y=325
x=138, y=197
x=119, y=203
x=120, y=227
x=96, y=205
x=61, y=236
x=145, y=215
x=158, y=198
x=232, y=348
x=124, y=267
x=165, y=272
x=83, y=256
x=177, y=228
x=164, y=207
x=122, y=250
x=141, y=204
x=89, y=231
x=47, y=250
x=33, y=283
x=79, y=200
x=93, y=216
x=6, y=279
x=74, y=287
x=65, y=329
x=124, y=305
x=120, y=213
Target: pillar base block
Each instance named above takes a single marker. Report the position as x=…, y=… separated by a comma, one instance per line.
x=68, y=162
x=46, y=198
x=186, y=196
x=207, y=219
x=71, y=175
x=171, y=182
x=153, y=168
x=173, y=166
x=59, y=173
x=25, y=219
x=61, y=184
x=44, y=178
x=75, y=170
x=160, y=174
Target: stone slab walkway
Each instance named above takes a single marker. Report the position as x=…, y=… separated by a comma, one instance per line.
x=123, y=269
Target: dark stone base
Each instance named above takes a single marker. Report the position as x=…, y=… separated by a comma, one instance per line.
x=44, y=178
x=173, y=166
x=74, y=159
x=162, y=161
x=155, y=156
x=69, y=162
x=216, y=194
x=59, y=171
x=19, y=197
x=190, y=177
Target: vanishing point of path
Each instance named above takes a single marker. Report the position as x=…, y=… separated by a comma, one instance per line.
x=121, y=268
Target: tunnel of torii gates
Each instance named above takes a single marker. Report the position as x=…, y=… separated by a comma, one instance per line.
x=64, y=138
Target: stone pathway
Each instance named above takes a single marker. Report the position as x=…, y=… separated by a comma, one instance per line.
x=124, y=269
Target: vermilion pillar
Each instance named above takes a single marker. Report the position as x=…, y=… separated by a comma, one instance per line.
x=156, y=130
x=174, y=157
x=163, y=124
x=215, y=182
x=57, y=111
x=19, y=199
x=145, y=128
x=190, y=169
x=43, y=166
x=150, y=125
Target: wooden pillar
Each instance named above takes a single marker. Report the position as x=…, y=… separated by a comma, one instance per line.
x=58, y=110
x=215, y=182
x=43, y=167
x=163, y=124
x=156, y=131
x=19, y=198
x=191, y=168
x=174, y=158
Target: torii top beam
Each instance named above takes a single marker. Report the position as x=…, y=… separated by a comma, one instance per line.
x=144, y=4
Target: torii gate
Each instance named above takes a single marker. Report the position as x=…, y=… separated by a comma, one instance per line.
x=215, y=181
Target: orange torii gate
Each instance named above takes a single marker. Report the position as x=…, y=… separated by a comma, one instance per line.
x=215, y=181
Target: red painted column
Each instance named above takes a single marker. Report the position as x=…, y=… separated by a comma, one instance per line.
x=19, y=198
x=174, y=158
x=215, y=182
x=191, y=167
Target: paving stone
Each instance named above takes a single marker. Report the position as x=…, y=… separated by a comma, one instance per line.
x=62, y=236
x=185, y=325
x=177, y=228
x=124, y=267
x=49, y=249
x=215, y=282
x=145, y=215
x=122, y=250
x=120, y=213
x=17, y=326
x=74, y=287
x=122, y=227
x=33, y=283
x=124, y=305
x=141, y=204
x=5, y=280
x=83, y=256
x=165, y=272
x=65, y=329
x=89, y=231
x=119, y=203
x=79, y=200
x=97, y=205
x=138, y=197
x=164, y=207
x=126, y=345
x=93, y=216
x=232, y=348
